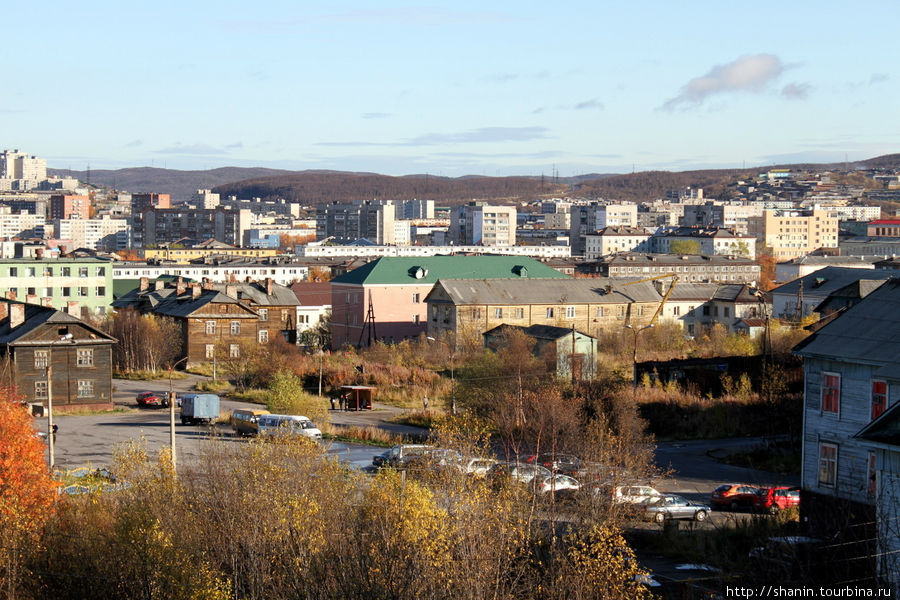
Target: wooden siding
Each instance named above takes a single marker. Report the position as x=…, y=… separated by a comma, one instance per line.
x=66, y=374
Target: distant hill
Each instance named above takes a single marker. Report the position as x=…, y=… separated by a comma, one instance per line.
x=317, y=186
x=180, y=184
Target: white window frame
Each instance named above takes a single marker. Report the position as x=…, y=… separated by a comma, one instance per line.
x=40, y=390
x=830, y=463
x=85, y=388
x=263, y=336
x=235, y=328
x=210, y=328
x=234, y=351
x=570, y=312
x=84, y=357
x=41, y=359
x=210, y=351
x=263, y=314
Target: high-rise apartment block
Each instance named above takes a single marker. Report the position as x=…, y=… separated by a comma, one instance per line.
x=98, y=234
x=205, y=199
x=70, y=206
x=370, y=219
x=480, y=224
x=169, y=225
x=415, y=209
x=591, y=218
x=19, y=171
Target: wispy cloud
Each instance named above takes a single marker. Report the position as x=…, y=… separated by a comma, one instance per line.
x=589, y=104
x=796, y=91
x=376, y=115
x=752, y=73
x=473, y=136
x=192, y=149
x=878, y=78
x=235, y=146
x=134, y=143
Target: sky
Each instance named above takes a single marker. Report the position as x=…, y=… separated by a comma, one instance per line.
x=450, y=88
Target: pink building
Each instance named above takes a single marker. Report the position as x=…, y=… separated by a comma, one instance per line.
x=70, y=206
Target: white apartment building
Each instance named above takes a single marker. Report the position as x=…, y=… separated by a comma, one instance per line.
x=402, y=232
x=478, y=223
x=205, y=199
x=15, y=165
x=591, y=218
x=282, y=274
x=99, y=234
x=22, y=225
x=612, y=240
x=852, y=213
x=320, y=251
x=791, y=234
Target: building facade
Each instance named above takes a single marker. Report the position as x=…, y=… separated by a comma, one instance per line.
x=170, y=225
x=70, y=206
x=481, y=224
x=96, y=234
x=371, y=219
x=87, y=282
x=613, y=240
x=689, y=267
x=791, y=234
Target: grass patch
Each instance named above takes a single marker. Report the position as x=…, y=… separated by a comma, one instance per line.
x=147, y=375
x=419, y=418
x=83, y=412
x=204, y=369
x=780, y=458
x=371, y=436
x=217, y=386
x=254, y=396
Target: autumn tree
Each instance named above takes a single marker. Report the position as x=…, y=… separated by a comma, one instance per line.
x=146, y=342
x=684, y=247
x=27, y=491
x=766, y=259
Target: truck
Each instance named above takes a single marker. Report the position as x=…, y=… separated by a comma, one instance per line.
x=199, y=408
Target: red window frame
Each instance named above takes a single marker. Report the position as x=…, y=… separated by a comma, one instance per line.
x=831, y=392
x=879, y=398
x=828, y=457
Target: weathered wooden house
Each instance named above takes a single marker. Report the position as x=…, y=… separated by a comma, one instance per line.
x=79, y=357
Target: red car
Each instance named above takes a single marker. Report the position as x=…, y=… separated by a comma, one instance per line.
x=774, y=499
x=733, y=496
x=151, y=399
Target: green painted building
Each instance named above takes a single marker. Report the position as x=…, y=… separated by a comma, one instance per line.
x=82, y=285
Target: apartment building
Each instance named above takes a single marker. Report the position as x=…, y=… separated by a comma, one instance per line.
x=21, y=225
x=591, y=218
x=688, y=267
x=170, y=225
x=347, y=222
x=612, y=240
x=98, y=234
x=224, y=270
x=19, y=171
x=481, y=224
x=730, y=216
x=703, y=240
x=793, y=233
x=57, y=282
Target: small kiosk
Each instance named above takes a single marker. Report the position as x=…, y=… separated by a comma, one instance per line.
x=357, y=397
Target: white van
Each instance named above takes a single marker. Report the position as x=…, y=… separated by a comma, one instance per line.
x=287, y=424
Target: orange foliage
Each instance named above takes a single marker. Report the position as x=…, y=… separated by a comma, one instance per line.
x=319, y=274
x=27, y=491
x=766, y=268
x=288, y=241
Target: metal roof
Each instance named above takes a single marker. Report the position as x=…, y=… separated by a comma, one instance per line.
x=867, y=333
x=826, y=281
x=36, y=316
x=429, y=269
x=547, y=291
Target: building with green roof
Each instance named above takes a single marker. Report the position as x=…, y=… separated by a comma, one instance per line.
x=385, y=299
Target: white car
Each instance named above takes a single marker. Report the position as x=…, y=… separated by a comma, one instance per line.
x=557, y=483
x=477, y=466
x=635, y=494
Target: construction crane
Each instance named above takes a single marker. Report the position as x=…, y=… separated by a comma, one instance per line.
x=665, y=296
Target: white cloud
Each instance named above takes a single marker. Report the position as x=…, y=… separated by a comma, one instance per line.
x=752, y=73
x=796, y=91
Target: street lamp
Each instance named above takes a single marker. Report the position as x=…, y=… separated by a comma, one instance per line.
x=172, y=410
x=635, y=331
x=51, y=438
x=452, y=349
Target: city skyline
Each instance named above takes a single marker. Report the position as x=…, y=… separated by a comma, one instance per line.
x=451, y=89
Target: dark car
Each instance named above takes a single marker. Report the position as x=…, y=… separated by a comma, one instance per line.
x=671, y=506
x=151, y=399
x=775, y=499
x=733, y=496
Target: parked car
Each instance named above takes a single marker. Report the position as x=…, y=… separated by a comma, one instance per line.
x=401, y=454
x=152, y=399
x=556, y=483
x=245, y=421
x=672, y=506
x=519, y=472
x=287, y=425
x=634, y=494
x=477, y=467
x=566, y=464
x=733, y=496
x=774, y=499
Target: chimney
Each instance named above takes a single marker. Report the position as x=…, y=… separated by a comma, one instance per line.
x=4, y=310
x=16, y=315
x=11, y=294
x=268, y=286
x=231, y=291
x=145, y=284
x=72, y=309
x=180, y=287
x=31, y=299
x=195, y=291
x=48, y=302
x=159, y=284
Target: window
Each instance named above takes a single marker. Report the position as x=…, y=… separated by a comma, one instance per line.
x=676, y=310
x=85, y=388
x=235, y=328
x=705, y=311
x=101, y=271
x=82, y=271
x=519, y=313
x=550, y=313
x=210, y=328
x=41, y=359
x=263, y=314
x=83, y=292
x=879, y=398
x=101, y=291
x=872, y=488
x=85, y=358
x=570, y=312
x=828, y=454
x=831, y=392
x=476, y=313
x=66, y=292
x=498, y=313
x=30, y=271
x=263, y=337
x=416, y=298
x=725, y=311
x=14, y=271
x=40, y=390
x=210, y=350
x=415, y=319
x=234, y=351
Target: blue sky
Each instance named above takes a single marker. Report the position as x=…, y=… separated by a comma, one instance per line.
x=450, y=88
